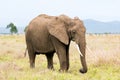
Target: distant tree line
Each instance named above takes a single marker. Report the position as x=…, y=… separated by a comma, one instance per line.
x=14, y=30
x=104, y=33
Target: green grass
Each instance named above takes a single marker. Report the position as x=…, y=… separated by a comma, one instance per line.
x=103, y=61
x=105, y=72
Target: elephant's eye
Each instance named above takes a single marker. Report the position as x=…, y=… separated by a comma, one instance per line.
x=73, y=32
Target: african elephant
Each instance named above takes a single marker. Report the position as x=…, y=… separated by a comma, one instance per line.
x=49, y=34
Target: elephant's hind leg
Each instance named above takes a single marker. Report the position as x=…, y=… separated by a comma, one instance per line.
x=32, y=56
x=32, y=60
x=49, y=57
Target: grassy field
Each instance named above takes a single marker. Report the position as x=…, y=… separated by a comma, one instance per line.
x=102, y=53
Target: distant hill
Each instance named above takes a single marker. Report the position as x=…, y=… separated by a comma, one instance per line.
x=92, y=26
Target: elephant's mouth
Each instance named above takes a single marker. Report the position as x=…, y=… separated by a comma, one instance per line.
x=73, y=39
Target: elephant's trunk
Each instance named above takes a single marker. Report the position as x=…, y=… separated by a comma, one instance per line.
x=82, y=48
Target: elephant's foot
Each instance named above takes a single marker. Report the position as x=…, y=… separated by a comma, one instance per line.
x=83, y=70
x=64, y=69
x=32, y=66
x=51, y=67
x=60, y=70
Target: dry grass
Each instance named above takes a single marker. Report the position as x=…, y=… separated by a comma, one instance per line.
x=104, y=49
x=103, y=59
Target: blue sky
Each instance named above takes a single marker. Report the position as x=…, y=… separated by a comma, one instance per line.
x=21, y=12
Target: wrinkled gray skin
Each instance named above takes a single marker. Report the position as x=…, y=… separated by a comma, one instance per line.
x=49, y=34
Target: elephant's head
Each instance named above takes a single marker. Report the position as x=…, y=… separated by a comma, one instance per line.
x=66, y=29
x=77, y=33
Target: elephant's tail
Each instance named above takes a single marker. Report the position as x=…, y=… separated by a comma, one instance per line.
x=25, y=52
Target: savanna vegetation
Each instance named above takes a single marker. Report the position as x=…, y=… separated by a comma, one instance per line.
x=103, y=60
x=13, y=28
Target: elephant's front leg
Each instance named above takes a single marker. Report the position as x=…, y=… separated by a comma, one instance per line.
x=63, y=57
x=49, y=57
x=67, y=56
x=60, y=49
x=63, y=61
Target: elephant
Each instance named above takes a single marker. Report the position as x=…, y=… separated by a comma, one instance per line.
x=47, y=35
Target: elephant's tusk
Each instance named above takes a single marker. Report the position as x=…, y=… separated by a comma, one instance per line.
x=78, y=50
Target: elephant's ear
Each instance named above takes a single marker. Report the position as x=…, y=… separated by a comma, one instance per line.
x=58, y=30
